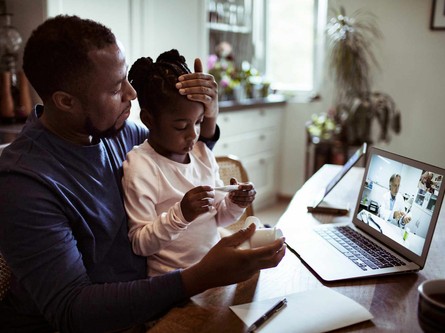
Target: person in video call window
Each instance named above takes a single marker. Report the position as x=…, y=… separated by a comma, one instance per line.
x=392, y=205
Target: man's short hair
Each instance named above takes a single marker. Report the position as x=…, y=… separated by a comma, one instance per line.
x=56, y=54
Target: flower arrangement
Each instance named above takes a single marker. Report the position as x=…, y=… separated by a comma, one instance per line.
x=323, y=126
x=235, y=82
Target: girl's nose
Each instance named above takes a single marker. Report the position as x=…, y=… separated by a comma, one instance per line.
x=192, y=134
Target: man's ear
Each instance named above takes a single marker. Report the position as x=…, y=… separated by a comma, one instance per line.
x=147, y=118
x=63, y=101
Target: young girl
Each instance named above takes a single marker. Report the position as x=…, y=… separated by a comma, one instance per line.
x=169, y=180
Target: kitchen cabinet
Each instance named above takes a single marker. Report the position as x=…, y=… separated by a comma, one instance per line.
x=231, y=21
x=253, y=135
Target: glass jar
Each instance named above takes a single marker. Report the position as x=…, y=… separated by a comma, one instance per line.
x=10, y=42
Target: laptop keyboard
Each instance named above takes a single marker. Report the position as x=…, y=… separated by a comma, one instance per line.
x=360, y=250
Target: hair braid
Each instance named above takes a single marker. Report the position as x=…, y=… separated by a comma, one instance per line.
x=155, y=82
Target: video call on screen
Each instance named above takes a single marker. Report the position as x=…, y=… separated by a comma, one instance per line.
x=419, y=190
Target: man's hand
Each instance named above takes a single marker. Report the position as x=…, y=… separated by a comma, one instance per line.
x=401, y=217
x=245, y=194
x=197, y=201
x=200, y=87
x=225, y=264
x=406, y=219
x=398, y=214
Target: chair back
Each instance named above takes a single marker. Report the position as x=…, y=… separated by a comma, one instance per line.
x=230, y=166
x=5, y=277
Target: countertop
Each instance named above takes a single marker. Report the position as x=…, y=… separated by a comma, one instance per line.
x=271, y=100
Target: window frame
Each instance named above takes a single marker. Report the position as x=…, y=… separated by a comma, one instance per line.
x=260, y=41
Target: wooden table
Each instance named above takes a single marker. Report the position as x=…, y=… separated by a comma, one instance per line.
x=392, y=300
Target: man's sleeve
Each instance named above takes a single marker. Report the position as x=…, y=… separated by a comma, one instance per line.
x=210, y=143
x=37, y=241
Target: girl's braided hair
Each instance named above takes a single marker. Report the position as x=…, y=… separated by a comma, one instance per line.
x=155, y=82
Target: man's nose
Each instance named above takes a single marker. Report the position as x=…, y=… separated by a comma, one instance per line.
x=130, y=91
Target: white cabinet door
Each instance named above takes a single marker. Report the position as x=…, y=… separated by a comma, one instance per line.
x=254, y=137
x=262, y=173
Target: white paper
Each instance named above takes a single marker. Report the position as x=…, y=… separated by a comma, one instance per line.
x=315, y=310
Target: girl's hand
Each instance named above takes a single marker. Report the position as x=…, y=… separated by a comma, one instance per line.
x=245, y=194
x=197, y=201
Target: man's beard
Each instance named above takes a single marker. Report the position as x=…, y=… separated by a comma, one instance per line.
x=97, y=134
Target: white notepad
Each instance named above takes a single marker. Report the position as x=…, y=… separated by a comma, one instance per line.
x=315, y=310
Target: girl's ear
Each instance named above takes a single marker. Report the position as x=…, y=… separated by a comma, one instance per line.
x=147, y=118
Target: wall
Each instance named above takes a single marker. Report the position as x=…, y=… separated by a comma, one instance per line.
x=412, y=71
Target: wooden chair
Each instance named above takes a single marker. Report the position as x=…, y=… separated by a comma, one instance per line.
x=5, y=277
x=231, y=167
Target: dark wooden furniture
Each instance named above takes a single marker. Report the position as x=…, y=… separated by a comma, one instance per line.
x=392, y=300
x=320, y=151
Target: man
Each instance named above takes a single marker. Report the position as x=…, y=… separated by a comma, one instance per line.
x=63, y=228
x=392, y=206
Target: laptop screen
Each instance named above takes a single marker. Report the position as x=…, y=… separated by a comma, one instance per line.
x=400, y=199
x=348, y=165
x=344, y=170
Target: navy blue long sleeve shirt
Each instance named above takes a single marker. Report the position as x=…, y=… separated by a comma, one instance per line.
x=63, y=232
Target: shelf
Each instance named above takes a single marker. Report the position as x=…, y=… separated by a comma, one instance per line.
x=224, y=27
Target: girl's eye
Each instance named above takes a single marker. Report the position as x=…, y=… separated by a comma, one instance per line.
x=180, y=128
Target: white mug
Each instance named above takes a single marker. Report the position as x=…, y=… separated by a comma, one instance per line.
x=262, y=236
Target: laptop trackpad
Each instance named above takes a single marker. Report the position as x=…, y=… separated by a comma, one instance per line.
x=328, y=263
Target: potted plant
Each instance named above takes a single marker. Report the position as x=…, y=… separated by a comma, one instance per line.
x=358, y=108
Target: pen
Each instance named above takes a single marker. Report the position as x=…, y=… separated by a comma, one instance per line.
x=265, y=317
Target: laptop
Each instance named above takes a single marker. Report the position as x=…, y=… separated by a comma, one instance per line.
x=329, y=205
x=333, y=251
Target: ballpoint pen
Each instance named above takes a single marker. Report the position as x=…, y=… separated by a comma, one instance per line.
x=269, y=314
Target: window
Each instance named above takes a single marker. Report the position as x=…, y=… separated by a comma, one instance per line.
x=294, y=42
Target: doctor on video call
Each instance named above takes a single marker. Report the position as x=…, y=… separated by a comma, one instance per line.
x=392, y=205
